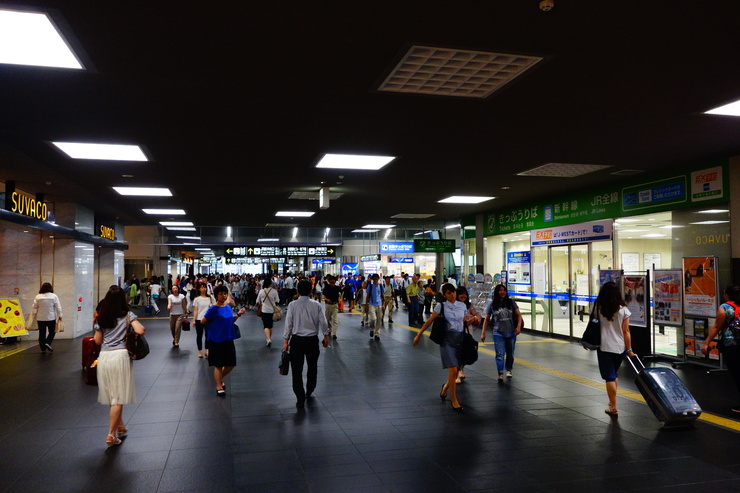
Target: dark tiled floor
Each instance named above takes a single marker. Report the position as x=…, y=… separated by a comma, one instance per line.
x=376, y=424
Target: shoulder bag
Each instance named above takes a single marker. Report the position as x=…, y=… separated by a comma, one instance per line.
x=136, y=344
x=730, y=336
x=439, y=327
x=277, y=313
x=469, y=349
x=591, y=338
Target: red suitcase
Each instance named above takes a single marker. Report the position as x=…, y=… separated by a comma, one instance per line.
x=90, y=352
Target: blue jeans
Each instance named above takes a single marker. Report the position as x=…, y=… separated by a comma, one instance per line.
x=414, y=310
x=504, y=346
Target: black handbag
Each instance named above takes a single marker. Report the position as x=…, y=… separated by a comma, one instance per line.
x=237, y=332
x=136, y=344
x=591, y=338
x=469, y=349
x=284, y=365
x=439, y=327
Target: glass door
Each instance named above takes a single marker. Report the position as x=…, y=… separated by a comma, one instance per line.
x=569, y=289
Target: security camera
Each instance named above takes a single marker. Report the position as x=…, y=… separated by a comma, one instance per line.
x=547, y=5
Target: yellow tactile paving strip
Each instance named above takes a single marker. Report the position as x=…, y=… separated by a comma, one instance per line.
x=628, y=394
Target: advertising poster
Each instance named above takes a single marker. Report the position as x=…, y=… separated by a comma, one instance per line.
x=611, y=275
x=634, y=296
x=503, y=278
x=713, y=350
x=350, y=269
x=631, y=262
x=668, y=305
x=11, y=318
x=700, y=286
x=689, y=347
x=518, y=266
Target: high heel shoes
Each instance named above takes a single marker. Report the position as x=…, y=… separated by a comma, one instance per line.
x=458, y=409
x=441, y=395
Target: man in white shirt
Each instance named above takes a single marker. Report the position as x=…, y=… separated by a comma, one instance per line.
x=303, y=323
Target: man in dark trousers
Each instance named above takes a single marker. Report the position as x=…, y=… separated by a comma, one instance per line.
x=303, y=323
x=332, y=292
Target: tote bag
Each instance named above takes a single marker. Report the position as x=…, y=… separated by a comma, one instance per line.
x=591, y=338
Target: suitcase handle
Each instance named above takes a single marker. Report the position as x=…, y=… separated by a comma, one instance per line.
x=633, y=364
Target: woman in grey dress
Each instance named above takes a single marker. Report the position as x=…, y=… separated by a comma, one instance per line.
x=449, y=350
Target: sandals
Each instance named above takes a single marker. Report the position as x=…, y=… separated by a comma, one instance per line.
x=112, y=441
x=611, y=411
x=122, y=431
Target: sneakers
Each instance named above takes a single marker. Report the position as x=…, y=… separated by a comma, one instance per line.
x=268, y=343
x=49, y=348
x=508, y=374
x=500, y=378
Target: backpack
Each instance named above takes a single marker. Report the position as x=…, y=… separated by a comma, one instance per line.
x=730, y=337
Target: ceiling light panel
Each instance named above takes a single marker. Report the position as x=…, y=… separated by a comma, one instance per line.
x=730, y=109
x=294, y=213
x=378, y=226
x=165, y=212
x=188, y=237
x=449, y=72
x=365, y=230
x=354, y=161
x=101, y=152
x=281, y=225
x=268, y=239
x=144, y=191
x=175, y=223
x=179, y=228
x=465, y=199
x=31, y=38
x=563, y=170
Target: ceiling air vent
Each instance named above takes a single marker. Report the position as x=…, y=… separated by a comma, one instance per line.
x=449, y=72
x=563, y=170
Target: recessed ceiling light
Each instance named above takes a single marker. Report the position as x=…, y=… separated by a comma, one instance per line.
x=281, y=225
x=268, y=239
x=354, y=161
x=179, y=228
x=144, y=191
x=711, y=222
x=103, y=152
x=729, y=109
x=188, y=237
x=204, y=249
x=670, y=227
x=165, y=212
x=713, y=211
x=175, y=223
x=365, y=230
x=378, y=226
x=452, y=226
x=632, y=230
x=505, y=188
x=470, y=228
x=31, y=38
x=563, y=170
x=294, y=213
x=619, y=221
x=462, y=199
x=653, y=235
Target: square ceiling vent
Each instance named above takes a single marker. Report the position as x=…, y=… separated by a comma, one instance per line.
x=448, y=72
x=563, y=170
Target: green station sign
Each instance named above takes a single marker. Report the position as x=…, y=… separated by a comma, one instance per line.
x=434, y=246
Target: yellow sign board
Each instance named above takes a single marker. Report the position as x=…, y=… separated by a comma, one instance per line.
x=11, y=318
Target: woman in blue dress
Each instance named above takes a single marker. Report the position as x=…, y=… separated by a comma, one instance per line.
x=450, y=349
x=220, y=320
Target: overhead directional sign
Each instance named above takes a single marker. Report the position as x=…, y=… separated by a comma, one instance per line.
x=280, y=251
x=434, y=246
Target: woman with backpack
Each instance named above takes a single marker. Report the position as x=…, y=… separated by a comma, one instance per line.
x=727, y=325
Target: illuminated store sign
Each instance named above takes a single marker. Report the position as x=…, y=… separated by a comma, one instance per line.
x=25, y=205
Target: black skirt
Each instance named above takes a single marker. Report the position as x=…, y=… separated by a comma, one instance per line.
x=221, y=353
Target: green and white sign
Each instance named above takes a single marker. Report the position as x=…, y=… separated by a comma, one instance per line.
x=434, y=246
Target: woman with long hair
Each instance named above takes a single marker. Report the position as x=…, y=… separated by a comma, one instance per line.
x=472, y=319
x=201, y=304
x=115, y=369
x=726, y=313
x=450, y=349
x=507, y=324
x=614, y=323
x=48, y=310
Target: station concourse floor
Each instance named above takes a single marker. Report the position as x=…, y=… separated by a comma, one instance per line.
x=376, y=423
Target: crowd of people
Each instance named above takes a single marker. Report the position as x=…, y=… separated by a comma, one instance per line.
x=216, y=302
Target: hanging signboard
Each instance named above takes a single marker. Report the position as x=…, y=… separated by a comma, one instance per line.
x=280, y=251
x=11, y=318
x=434, y=246
x=370, y=258
x=634, y=296
x=667, y=300
x=700, y=286
x=396, y=247
x=574, y=233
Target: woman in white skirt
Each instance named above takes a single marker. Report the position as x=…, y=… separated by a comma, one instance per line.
x=115, y=369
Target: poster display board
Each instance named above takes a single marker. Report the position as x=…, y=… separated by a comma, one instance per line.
x=12, y=323
x=518, y=266
x=610, y=275
x=700, y=286
x=634, y=296
x=668, y=304
x=631, y=262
